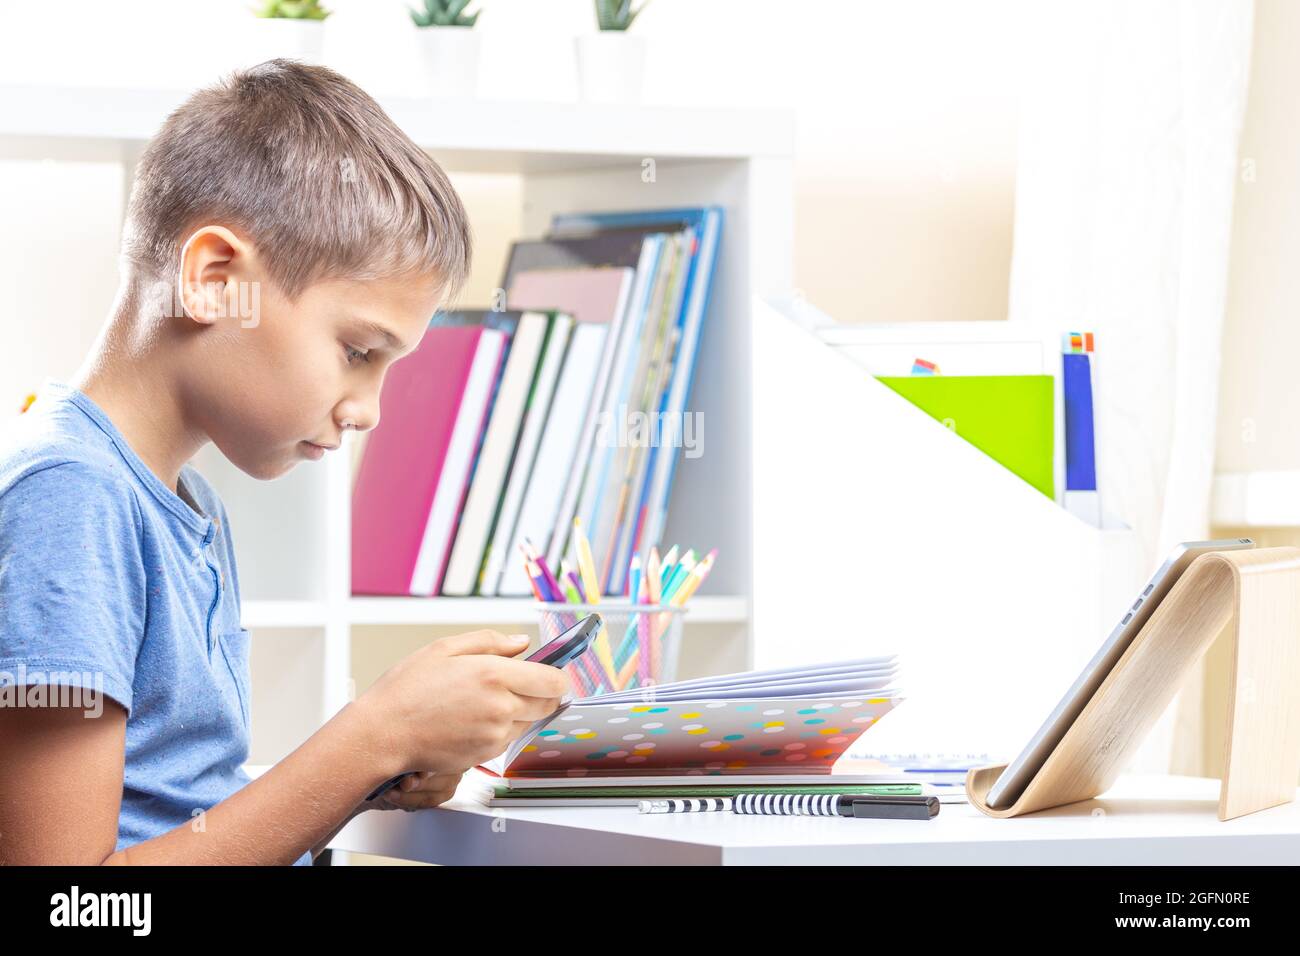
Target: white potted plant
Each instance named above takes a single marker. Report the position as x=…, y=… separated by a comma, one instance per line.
x=449, y=46
x=290, y=28
x=611, y=62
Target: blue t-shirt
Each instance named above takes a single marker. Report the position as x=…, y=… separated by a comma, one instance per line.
x=111, y=581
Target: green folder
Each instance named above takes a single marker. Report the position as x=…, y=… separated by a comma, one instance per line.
x=1008, y=417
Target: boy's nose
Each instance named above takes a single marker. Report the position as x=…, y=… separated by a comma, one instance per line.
x=364, y=414
x=360, y=424
x=359, y=410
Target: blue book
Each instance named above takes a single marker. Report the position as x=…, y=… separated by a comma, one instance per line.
x=597, y=470
x=1080, y=441
x=652, y=506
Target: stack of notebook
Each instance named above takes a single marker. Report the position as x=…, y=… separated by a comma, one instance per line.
x=777, y=730
x=505, y=425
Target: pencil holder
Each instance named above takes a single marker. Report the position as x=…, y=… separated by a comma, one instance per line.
x=637, y=647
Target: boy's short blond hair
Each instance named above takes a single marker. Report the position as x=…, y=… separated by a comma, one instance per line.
x=305, y=164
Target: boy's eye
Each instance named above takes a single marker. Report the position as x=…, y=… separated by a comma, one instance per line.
x=353, y=354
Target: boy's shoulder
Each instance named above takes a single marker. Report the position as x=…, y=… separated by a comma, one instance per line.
x=60, y=455
x=65, y=453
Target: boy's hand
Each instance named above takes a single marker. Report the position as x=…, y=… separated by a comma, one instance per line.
x=417, y=791
x=458, y=702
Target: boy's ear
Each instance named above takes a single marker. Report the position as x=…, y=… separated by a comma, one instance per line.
x=212, y=261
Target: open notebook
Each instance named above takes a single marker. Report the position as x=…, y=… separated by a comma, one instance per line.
x=791, y=721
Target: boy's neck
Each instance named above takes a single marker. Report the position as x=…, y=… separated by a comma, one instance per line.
x=142, y=403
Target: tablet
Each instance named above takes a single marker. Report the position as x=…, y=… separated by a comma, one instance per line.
x=1011, y=782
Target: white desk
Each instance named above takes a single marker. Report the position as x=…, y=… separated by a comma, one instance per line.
x=1141, y=821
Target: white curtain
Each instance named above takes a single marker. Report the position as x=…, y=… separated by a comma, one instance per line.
x=1132, y=113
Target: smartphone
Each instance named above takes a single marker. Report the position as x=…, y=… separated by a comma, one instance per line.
x=569, y=645
x=565, y=648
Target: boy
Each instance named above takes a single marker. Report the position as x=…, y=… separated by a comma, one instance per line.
x=285, y=244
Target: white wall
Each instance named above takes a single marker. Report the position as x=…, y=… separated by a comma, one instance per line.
x=905, y=164
x=59, y=230
x=904, y=169
x=1260, y=400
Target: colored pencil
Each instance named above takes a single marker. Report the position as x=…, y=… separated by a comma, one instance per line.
x=587, y=568
x=651, y=581
x=695, y=579
x=550, y=579
x=683, y=568
x=643, y=636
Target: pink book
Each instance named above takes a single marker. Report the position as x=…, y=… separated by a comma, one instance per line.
x=417, y=463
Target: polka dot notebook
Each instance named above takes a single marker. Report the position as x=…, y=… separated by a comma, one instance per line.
x=787, y=721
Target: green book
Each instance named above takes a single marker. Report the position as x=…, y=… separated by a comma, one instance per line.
x=1008, y=417
x=710, y=790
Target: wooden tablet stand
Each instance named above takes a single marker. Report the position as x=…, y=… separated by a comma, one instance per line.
x=1259, y=592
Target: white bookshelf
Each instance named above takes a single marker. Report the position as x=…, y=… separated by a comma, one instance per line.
x=292, y=536
x=491, y=136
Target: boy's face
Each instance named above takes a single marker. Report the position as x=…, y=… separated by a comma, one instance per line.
x=272, y=381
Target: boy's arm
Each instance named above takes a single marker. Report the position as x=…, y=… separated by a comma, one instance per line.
x=324, y=843
x=421, y=790
x=60, y=798
x=290, y=808
x=61, y=789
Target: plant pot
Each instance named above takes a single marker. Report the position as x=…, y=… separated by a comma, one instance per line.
x=450, y=57
x=272, y=37
x=611, y=67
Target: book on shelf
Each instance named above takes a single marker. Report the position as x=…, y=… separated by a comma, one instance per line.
x=591, y=248
x=527, y=379
x=539, y=412
x=619, y=346
x=416, y=469
x=639, y=413
x=600, y=333
x=639, y=518
x=597, y=299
